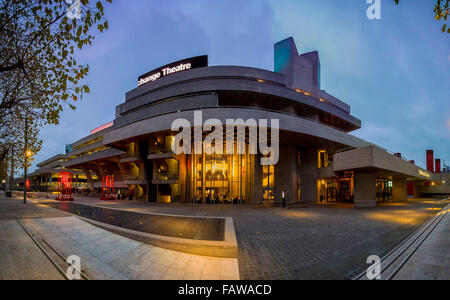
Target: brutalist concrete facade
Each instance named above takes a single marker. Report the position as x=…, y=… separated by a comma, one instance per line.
x=314, y=135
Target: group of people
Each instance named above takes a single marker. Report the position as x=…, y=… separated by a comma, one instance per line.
x=216, y=199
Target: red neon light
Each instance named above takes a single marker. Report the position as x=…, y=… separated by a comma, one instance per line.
x=65, y=186
x=28, y=184
x=104, y=126
x=107, y=188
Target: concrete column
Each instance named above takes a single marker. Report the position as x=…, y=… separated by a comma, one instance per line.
x=365, y=190
x=308, y=175
x=203, y=177
x=417, y=189
x=258, y=188
x=399, y=193
x=286, y=175
x=122, y=170
x=100, y=169
x=182, y=176
x=89, y=179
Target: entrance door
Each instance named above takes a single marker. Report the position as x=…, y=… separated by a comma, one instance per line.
x=268, y=195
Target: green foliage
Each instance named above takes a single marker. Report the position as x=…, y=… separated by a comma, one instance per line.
x=39, y=70
x=441, y=12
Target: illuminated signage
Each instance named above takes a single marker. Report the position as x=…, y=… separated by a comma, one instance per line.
x=423, y=173
x=175, y=67
x=100, y=128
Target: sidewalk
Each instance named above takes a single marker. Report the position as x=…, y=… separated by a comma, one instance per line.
x=431, y=261
x=105, y=255
x=304, y=242
x=20, y=258
x=14, y=208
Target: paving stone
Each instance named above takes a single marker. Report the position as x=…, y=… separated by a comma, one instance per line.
x=122, y=257
x=301, y=242
x=307, y=241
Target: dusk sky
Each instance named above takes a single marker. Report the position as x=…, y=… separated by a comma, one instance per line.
x=393, y=72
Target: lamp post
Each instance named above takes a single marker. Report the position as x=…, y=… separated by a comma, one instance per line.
x=7, y=176
x=283, y=198
x=11, y=177
x=26, y=152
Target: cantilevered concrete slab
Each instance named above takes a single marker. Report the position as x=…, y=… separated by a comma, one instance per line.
x=374, y=159
x=371, y=161
x=108, y=153
x=287, y=123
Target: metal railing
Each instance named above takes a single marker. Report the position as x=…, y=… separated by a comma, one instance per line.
x=166, y=176
x=384, y=149
x=160, y=150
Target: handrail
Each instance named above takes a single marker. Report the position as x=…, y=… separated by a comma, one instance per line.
x=344, y=150
x=388, y=151
x=166, y=176
x=160, y=150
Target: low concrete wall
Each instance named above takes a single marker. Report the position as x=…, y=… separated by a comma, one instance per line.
x=226, y=248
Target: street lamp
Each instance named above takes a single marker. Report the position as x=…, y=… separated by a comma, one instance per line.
x=28, y=154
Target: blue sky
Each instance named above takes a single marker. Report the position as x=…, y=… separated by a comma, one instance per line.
x=393, y=72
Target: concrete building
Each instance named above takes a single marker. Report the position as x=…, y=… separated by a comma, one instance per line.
x=319, y=160
x=45, y=177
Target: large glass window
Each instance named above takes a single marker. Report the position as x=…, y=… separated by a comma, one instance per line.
x=268, y=183
x=220, y=178
x=322, y=161
x=384, y=189
x=339, y=189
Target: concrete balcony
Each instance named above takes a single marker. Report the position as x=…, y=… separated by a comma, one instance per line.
x=161, y=152
x=134, y=181
x=165, y=178
x=129, y=159
x=379, y=161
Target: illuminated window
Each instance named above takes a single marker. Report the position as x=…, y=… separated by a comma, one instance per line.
x=322, y=161
x=220, y=178
x=268, y=183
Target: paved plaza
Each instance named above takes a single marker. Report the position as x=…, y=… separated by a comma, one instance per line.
x=431, y=261
x=20, y=258
x=105, y=255
x=310, y=241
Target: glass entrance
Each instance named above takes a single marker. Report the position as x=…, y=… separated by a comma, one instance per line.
x=220, y=179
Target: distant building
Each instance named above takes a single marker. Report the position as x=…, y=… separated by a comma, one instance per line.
x=45, y=177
